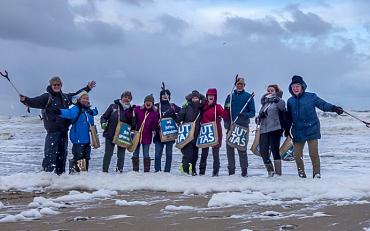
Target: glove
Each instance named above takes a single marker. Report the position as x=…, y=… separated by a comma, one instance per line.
x=55, y=111
x=287, y=133
x=263, y=115
x=103, y=125
x=337, y=110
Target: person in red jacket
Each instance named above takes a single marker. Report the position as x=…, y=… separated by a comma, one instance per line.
x=208, y=115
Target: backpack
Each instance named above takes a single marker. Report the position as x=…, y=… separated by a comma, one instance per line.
x=48, y=103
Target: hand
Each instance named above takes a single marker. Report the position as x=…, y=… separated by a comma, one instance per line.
x=263, y=115
x=287, y=133
x=22, y=98
x=337, y=110
x=91, y=84
x=103, y=125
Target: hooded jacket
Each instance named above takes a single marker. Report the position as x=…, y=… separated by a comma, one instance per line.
x=81, y=118
x=48, y=102
x=190, y=111
x=208, y=114
x=302, y=110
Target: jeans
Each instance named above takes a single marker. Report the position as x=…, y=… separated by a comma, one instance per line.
x=145, y=150
x=55, y=152
x=109, y=148
x=159, y=146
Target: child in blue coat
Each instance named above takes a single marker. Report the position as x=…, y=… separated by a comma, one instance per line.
x=82, y=117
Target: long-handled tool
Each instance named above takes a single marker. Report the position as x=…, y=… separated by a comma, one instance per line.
x=355, y=117
x=6, y=75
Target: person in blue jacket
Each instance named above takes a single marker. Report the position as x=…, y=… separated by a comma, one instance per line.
x=233, y=105
x=82, y=117
x=305, y=127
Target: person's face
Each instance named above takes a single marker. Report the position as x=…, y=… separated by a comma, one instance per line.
x=195, y=100
x=297, y=89
x=84, y=100
x=271, y=91
x=126, y=100
x=148, y=104
x=240, y=86
x=164, y=97
x=211, y=99
x=56, y=86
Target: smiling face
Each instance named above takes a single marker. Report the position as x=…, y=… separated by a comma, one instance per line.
x=84, y=100
x=240, y=86
x=126, y=100
x=271, y=90
x=164, y=97
x=56, y=86
x=148, y=104
x=297, y=89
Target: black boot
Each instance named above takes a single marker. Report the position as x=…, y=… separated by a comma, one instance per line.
x=270, y=169
x=215, y=172
x=245, y=172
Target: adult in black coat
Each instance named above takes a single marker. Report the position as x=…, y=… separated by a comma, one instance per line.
x=190, y=113
x=56, y=141
x=109, y=121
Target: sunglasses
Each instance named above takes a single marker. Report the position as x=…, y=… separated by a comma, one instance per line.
x=56, y=84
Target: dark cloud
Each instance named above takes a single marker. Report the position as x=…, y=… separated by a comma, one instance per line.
x=51, y=23
x=145, y=59
x=307, y=23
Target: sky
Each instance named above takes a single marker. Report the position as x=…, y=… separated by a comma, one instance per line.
x=190, y=44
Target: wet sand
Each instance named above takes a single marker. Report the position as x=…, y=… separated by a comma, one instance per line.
x=104, y=214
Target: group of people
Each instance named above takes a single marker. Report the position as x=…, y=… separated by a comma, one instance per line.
x=297, y=119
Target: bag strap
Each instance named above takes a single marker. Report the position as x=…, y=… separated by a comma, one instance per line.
x=142, y=125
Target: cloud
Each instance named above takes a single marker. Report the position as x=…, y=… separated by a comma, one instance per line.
x=262, y=27
x=307, y=23
x=172, y=25
x=51, y=23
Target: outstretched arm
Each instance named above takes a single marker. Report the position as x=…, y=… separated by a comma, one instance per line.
x=36, y=102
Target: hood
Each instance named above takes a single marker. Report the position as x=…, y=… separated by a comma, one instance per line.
x=212, y=91
x=297, y=79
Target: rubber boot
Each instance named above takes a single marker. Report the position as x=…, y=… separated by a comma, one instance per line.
x=245, y=172
x=202, y=168
x=277, y=164
x=270, y=169
x=135, y=163
x=231, y=171
x=146, y=164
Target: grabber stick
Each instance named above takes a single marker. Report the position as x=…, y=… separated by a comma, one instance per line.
x=355, y=117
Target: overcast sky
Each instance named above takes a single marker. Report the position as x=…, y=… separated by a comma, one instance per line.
x=190, y=44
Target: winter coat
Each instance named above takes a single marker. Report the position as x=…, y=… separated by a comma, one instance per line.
x=165, y=110
x=110, y=116
x=208, y=115
x=81, y=117
x=302, y=110
x=189, y=113
x=151, y=123
x=239, y=99
x=272, y=121
x=52, y=100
